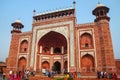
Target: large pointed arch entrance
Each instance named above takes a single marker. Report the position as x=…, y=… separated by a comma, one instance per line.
x=22, y=64
x=87, y=63
x=52, y=47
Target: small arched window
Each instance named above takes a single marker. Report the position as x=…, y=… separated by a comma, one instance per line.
x=46, y=50
x=57, y=50
x=86, y=45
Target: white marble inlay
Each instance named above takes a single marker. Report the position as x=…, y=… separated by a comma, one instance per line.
x=24, y=39
x=45, y=57
x=62, y=30
x=20, y=56
x=88, y=31
x=72, y=58
x=32, y=50
x=57, y=57
x=84, y=53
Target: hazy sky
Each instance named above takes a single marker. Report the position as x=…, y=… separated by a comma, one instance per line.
x=11, y=10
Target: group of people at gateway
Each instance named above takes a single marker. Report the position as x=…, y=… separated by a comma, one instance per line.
x=19, y=75
x=51, y=73
x=103, y=74
x=23, y=75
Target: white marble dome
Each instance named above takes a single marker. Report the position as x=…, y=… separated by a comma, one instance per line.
x=18, y=21
x=100, y=5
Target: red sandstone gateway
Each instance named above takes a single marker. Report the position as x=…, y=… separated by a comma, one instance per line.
x=56, y=42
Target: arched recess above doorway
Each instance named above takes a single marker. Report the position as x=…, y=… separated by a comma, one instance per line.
x=88, y=63
x=86, y=41
x=23, y=46
x=52, y=42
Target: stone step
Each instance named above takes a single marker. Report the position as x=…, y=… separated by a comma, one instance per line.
x=89, y=75
x=47, y=78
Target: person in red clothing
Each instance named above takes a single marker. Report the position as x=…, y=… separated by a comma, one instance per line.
x=75, y=75
x=114, y=76
x=12, y=76
x=18, y=76
x=4, y=75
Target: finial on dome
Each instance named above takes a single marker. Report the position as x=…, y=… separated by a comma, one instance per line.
x=74, y=3
x=99, y=4
x=34, y=11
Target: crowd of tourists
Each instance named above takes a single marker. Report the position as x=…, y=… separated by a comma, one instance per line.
x=23, y=75
x=48, y=73
x=72, y=75
x=67, y=75
x=18, y=75
x=103, y=74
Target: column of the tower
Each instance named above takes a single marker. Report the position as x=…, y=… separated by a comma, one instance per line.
x=14, y=45
x=105, y=55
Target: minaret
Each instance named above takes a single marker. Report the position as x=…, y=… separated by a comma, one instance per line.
x=104, y=51
x=74, y=4
x=17, y=26
x=14, y=46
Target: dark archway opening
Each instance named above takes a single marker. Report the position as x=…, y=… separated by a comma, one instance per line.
x=57, y=67
x=57, y=50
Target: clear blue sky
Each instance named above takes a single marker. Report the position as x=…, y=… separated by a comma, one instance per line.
x=11, y=10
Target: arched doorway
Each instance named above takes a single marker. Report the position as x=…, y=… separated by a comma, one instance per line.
x=87, y=63
x=45, y=65
x=22, y=64
x=57, y=67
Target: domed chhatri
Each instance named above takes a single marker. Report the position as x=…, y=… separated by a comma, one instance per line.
x=17, y=26
x=101, y=12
